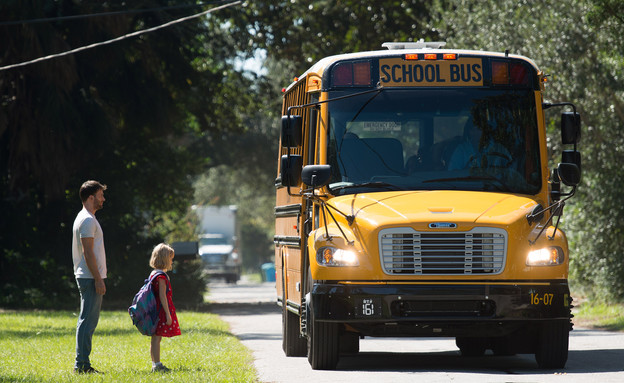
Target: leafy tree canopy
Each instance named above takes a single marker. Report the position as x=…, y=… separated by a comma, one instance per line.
x=134, y=115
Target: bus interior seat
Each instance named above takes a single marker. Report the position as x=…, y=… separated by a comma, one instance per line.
x=368, y=157
x=448, y=149
x=434, y=157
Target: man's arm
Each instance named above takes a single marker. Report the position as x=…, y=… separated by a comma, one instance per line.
x=87, y=245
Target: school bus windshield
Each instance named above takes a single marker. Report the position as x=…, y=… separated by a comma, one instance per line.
x=424, y=139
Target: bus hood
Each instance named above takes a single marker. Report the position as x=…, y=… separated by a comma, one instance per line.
x=418, y=208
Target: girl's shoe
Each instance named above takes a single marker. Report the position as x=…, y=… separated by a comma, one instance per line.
x=160, y=368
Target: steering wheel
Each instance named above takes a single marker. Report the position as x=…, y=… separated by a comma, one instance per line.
x=505, y=156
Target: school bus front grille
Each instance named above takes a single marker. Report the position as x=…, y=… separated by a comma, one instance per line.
x=478, y=251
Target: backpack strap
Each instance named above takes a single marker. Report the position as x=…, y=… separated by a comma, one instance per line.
x=152, y=277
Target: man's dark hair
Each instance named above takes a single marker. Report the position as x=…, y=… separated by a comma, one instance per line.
x=89, y=188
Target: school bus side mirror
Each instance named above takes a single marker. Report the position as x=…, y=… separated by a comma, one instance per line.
x=572, y=157
x=290, y=169
x=570, y=128
x=292, y=131
x=569, y=173
x=316, y=176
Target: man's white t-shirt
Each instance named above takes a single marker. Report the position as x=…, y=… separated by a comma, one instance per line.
x=87, y=226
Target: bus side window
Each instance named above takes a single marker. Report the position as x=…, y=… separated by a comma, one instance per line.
x=312, y=121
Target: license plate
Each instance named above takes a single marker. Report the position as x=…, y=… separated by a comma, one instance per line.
x=368, y=308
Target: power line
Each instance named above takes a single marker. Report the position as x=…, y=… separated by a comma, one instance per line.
x=129, y=35
x=112, y=13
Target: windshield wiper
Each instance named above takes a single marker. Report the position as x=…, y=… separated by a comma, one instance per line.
x=500, y=185
x=375, y=184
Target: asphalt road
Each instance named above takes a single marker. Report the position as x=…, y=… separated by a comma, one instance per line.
x=255, y=318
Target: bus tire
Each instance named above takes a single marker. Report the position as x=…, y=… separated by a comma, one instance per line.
x=349, y=343
x=292, y=341
x=323, y=344
x=552, y=344
x=502, y=346
x=471, y=347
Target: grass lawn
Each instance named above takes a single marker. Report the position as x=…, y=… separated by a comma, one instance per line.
x=601, y=316
x=39, y=346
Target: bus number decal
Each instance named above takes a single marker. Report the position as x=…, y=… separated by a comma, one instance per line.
x=368, y=307
x=542, y=299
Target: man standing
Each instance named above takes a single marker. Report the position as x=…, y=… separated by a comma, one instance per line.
x=90, y=270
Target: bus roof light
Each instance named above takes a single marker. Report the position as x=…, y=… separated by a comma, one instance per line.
x=519, y=74
x=361, y=73
x=449, y=56
x=411, y=56
x=431, y=56
x=500, y=73
x=343, y=74
x=352, y=73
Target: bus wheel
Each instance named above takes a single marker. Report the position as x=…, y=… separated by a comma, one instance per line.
x=292, y=341
x=502, y=346
x=471, y=347
x=323, y=344
x=552, y=344
x=349, y=343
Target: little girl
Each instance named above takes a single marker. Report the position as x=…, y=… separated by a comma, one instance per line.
x=161, y=260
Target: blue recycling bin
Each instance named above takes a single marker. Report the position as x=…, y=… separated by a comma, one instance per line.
x=268, y=272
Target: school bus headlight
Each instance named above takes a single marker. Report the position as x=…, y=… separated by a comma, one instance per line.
x=548, y=256
x=331, y=256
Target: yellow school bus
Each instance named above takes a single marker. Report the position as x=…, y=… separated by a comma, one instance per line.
x=414, y=198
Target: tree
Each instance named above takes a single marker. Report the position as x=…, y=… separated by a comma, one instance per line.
x=243, y=170
x=130, y=114
x=304, y=31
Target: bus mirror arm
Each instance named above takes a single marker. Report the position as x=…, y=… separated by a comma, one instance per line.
x=556, y=210
x=326, y=207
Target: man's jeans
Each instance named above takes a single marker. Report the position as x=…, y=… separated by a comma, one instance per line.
x=90, y=304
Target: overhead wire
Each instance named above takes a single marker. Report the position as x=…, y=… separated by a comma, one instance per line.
x=101, y=14
x=120, y=38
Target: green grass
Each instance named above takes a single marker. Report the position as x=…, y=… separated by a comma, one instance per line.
x=254, y=277
x=600, y=315
x=39, y=346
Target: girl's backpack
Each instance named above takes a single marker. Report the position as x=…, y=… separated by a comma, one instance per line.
x=143, y=311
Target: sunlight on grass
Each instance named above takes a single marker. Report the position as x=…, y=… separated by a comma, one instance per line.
x=608, y=317
x=40, y=347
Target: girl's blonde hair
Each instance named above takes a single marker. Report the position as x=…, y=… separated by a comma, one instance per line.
x=161, y=257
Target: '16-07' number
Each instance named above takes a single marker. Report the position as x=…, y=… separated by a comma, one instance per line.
x=545, y=299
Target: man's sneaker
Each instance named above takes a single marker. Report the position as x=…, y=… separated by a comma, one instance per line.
x=88, y=370
x=160, y=368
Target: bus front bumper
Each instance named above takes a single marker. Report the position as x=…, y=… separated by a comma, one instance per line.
x=440, y=309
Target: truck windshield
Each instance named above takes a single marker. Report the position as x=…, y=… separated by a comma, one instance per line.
x=211, y=241
x=414, y=139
